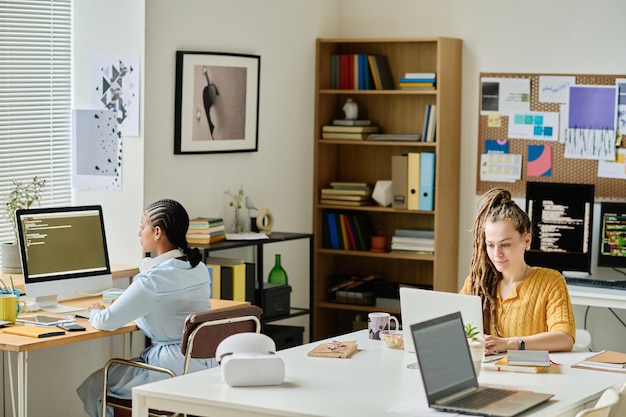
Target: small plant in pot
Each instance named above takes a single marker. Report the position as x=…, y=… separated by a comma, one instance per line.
x=476, y=345
x=22, y=196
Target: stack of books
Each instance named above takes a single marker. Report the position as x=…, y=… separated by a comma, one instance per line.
x=418, y=81
x=347, y=194
x=205, y=230
x=354, y=132
x=413, y=240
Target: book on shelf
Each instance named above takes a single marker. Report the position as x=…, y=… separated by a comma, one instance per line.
x=346, y=136
x=503, y=365
x=399, y=137
x=417, y=233
x=194, y=240
x=425, y=80
x=351, y=122
x=415, y=85
x=357, y=184
x=419, y=75
x=606, y=360
x=381, y=72
x=530, y=357
x=353, y=203
x=334, y=191
x=426, y=118
x=410, y=247
x=206, y=221
x=348, y=231
x=348, y=197
x=432, y=124
x=413, y=240
x=349, y=129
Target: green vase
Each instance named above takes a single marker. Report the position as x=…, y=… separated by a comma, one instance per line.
x=277, y=274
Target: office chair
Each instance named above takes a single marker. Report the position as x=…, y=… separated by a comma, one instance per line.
x=202, y=333
x=603, y=407
x=619, y=409
x=583, y=341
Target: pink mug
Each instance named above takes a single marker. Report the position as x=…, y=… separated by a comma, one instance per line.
x=379, y=321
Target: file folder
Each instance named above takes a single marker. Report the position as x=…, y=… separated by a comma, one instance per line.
x=399, y=178
x=427, y=181
x=413, y=180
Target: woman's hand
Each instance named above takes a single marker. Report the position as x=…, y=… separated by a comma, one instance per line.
x=95, y=306
x=494, y=344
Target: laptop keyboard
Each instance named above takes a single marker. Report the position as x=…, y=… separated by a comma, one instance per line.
x=618, y=285
x=481, y=398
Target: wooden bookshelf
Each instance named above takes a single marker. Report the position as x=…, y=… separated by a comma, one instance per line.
x=395, y=111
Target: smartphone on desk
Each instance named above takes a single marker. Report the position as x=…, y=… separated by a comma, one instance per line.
x=71, y=327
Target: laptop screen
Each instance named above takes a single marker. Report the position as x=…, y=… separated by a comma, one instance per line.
x=443, y=356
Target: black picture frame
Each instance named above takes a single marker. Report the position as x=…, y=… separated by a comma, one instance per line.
x=216, y=103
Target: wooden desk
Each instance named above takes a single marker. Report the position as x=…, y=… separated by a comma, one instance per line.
x=597, y=296
x=374, y=382
x=21, y=345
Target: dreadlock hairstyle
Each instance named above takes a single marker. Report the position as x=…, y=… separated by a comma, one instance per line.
x=484, y=277
x=173, y=219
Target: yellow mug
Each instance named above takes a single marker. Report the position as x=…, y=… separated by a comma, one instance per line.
x=9, y=307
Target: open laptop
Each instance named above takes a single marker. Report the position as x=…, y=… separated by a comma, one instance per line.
x=448, y=374
x=418, y=305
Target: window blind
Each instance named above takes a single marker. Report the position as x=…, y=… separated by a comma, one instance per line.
x=35, y=99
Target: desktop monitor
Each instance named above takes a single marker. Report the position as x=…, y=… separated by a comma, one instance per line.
x=612, y=239
x=63, y=250
x=561, y=217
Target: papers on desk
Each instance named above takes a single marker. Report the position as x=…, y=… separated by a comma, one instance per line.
x=607, y=360
x=246, y=236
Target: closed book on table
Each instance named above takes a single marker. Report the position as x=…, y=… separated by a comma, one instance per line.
x=427, y=181
x=34, y=331
x=530, y=357
x=607, y=360
x=399, y=177
x=413, y=181
x=503, y=365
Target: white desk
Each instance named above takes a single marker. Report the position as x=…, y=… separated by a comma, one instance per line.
x=374, y=382
x=597, y=296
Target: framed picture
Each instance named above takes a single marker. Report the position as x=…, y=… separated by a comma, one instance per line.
x=216, y=103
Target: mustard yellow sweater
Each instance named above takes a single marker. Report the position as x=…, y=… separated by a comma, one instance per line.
x=540, y=303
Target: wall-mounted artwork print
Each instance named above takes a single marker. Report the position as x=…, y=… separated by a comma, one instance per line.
x=216, y=103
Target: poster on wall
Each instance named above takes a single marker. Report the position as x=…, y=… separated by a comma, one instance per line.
x=115, y=87
x=97, y=150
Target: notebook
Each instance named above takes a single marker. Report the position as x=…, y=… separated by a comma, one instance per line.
x=418, y=305
x=448, y=373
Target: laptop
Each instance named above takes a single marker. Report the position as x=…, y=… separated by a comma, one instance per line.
x=418, y=305
x=448, y=374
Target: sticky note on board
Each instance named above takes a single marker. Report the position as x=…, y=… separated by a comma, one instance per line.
x=539, y=161
x=494, y=120
x=496, y=146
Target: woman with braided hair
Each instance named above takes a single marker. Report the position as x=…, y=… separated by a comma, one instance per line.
x=524, y=307
x=168, y=287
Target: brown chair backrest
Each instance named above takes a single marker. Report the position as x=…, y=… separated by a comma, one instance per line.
x=207, y=338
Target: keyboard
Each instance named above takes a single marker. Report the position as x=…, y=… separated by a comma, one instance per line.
x=587, y=282
x=480, y=399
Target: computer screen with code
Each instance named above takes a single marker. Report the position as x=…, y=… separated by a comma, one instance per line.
x=561, y=217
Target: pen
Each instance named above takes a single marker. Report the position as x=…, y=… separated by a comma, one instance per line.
x=12, y=285
x=4, y=286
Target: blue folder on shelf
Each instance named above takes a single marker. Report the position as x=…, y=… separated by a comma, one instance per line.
x=427, y=181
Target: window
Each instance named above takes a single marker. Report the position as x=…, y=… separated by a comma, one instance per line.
x=35, y=99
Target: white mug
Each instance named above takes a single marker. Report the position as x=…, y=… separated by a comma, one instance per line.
x=376, y=322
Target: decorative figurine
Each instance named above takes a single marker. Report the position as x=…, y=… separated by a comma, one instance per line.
x=351, y=109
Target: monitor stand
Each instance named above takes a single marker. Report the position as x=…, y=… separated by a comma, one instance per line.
x=50, y=304
x=577, y=274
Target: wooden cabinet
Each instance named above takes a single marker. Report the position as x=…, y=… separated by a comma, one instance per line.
x=395, y=111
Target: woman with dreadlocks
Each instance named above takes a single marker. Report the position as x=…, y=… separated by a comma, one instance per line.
x=524, y=307
x=168, y=287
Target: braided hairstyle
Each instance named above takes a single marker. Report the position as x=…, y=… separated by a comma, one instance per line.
x=484, y=277
x=172, y=218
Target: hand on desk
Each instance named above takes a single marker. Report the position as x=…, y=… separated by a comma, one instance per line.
x=494, y=344
x=96, y=306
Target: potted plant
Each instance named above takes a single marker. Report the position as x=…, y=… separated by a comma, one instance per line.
x=22, y=196
x=476, y=345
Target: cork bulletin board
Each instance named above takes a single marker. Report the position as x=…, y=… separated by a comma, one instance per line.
x=563, y=170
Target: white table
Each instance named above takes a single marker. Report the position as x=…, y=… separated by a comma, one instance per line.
x=597, y=296
x=374, y=382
